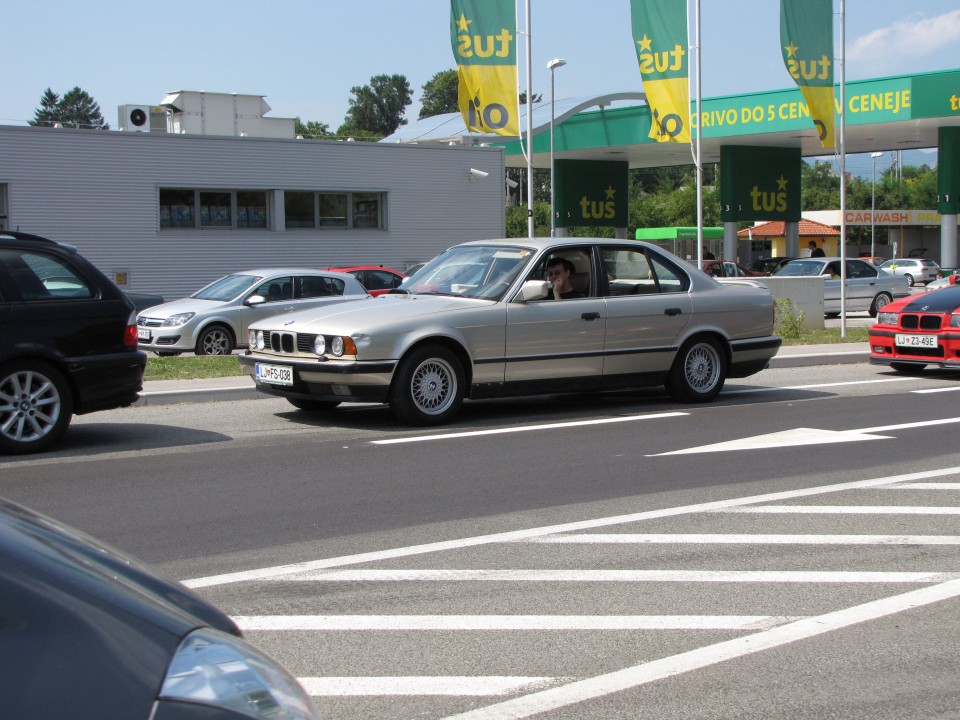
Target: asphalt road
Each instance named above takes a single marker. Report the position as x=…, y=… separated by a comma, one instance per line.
x=788, y=551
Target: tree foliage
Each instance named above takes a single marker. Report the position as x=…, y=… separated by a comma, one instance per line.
x=311, y=130
x=76, y=108
x=377, y=109
x=440, y=94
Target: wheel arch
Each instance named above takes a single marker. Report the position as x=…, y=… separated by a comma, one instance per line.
x=449, y=343
x=712, y=333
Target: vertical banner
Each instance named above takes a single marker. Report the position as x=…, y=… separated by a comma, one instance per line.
x=660, y=37
x=806, y=35
x=483, y=34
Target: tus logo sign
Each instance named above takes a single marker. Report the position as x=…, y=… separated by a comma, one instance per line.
x=605, y=209
x=770, y=201
x=806, y=71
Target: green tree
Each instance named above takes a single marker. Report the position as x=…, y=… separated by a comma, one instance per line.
x=377, y=108
x=819, y=186
x=75, y=109
x=440, y=94
x=46, y=114
x=312, y=129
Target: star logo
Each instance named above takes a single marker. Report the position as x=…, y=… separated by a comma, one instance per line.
x=644, y=43
x=791, y=49
x=781, y=183
x=610, y=192
x=463, y=25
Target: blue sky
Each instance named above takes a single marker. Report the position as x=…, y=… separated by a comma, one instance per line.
x=304, y=57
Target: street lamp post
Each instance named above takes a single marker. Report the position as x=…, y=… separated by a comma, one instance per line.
x=873, y=203
x=551, y=66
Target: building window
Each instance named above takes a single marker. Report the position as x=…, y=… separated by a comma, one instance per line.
x=215, y=209
x=177, y=209
x=333, y=210
x=226, y=209
x=251, y=209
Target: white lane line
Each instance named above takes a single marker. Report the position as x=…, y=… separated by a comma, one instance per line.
x=816, y=386
x=925, y=486
x=843, y=510
x=617, y=576
x=336, y=623
x=733, y=539
x=275, y=571
x=909, y=425
x=631, y=677
x=936, y=390
x=528, y=428
x=429, y=685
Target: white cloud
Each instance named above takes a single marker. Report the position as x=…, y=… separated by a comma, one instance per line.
x=905, y=39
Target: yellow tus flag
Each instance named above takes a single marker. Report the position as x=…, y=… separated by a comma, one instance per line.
x=660, y=39
x=483, y=34
x=806, y=37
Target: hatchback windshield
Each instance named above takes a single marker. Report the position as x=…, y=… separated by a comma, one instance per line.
x=226, y=288
x=476, y=271
x=801, y=268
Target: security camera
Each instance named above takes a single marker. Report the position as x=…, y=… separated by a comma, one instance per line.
x=478, y=173
x=512, y=184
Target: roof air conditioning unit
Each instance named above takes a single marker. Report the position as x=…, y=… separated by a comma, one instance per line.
x=143, y=118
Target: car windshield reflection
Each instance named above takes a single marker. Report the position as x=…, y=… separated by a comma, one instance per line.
x=801, y=268
x=226, y=288
x=473, y=271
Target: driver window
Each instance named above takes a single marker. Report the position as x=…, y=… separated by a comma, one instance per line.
x=277, y=289
x=568, y=271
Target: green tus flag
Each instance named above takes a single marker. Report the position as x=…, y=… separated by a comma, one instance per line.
x=806, y=35
x=660, y=37
x=484, y=38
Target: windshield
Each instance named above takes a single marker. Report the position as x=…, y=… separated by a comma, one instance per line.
x=226, y=288
x=476, y=271
x=801, y=268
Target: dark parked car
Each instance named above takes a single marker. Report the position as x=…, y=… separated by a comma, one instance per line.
x=68, y=342
x=141, y=301
x=87, y=631
x=768, y=266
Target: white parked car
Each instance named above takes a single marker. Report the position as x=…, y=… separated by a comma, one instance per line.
x=480, y=321
x=915, y=270
x=867, y=287
x=214, y=320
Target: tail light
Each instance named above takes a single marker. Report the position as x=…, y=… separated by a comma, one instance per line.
x=130, y=332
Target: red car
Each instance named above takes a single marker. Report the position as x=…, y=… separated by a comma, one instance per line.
x=918, y=330
x=377, y=279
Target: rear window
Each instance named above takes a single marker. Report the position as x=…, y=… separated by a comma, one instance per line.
x=38, y=276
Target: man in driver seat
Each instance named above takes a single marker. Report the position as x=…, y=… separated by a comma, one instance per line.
x=559, y=271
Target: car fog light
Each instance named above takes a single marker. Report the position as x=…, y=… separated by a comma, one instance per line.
x=320, y=345
x=878, y=349
x=336, y=346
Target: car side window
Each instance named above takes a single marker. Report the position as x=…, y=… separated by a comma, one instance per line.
x=37, y=276
x=380, y=280
x=639, y=272
x=576, y=260
x=276, y=289
x=860, y=269
x=318, y=286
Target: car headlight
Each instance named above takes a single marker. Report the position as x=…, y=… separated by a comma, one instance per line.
x=178, y=320
x=888, y=318
x=336, y=346
x=319, y=344
x=955, y=321
x=255, y=339
x=216, y=669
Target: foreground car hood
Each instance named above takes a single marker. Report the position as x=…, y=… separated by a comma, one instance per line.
x=183, y=305
x=385, y=310
x=944, y=300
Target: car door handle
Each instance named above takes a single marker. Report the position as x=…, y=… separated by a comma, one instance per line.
x=673, y=311
x=590, y=316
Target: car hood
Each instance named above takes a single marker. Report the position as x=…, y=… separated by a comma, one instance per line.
x=67, y=559
x=183, y=305
x=361, y=315
x=944, y=300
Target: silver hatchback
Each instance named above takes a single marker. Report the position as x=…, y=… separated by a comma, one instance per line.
x=913, y=269
x=214, y=320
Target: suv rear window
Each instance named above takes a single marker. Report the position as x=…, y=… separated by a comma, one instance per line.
x=43, y=277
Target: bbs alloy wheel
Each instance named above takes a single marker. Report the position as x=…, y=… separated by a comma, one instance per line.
x=428, y=387
x=35, y=406
x=698, y=372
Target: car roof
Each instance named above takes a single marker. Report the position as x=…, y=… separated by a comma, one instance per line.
x=350, y=268
x=284, y=271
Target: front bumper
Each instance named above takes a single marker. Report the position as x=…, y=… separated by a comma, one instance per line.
x=885, y=351
x=342, y=381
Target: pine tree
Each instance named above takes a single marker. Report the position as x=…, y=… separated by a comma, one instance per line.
x=46, y=114
x=75, y=109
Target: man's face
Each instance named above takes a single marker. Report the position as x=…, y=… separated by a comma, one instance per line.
x=557, y=273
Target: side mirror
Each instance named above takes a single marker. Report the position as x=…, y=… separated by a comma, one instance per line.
x=534, y=290
x=255, y=300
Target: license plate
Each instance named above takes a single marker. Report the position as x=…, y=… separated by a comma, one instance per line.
x=274, y=374
x=922, y=341
x=143, y=334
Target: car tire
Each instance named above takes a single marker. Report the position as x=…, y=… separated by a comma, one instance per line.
x=907, y=368
x=313, y=405
x=428, y=387
x=698, y=372
x=832, y=315
x=214, y=340
x=167, y=353
x=36, y=405
x=878, y=302
x=909, y=278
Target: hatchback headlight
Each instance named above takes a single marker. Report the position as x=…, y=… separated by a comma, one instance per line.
x=888, y=318
x=178, y=320
x=215, y=669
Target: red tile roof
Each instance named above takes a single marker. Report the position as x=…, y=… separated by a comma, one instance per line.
x=775, y=228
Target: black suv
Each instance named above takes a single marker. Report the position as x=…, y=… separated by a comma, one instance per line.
x=68, y=342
